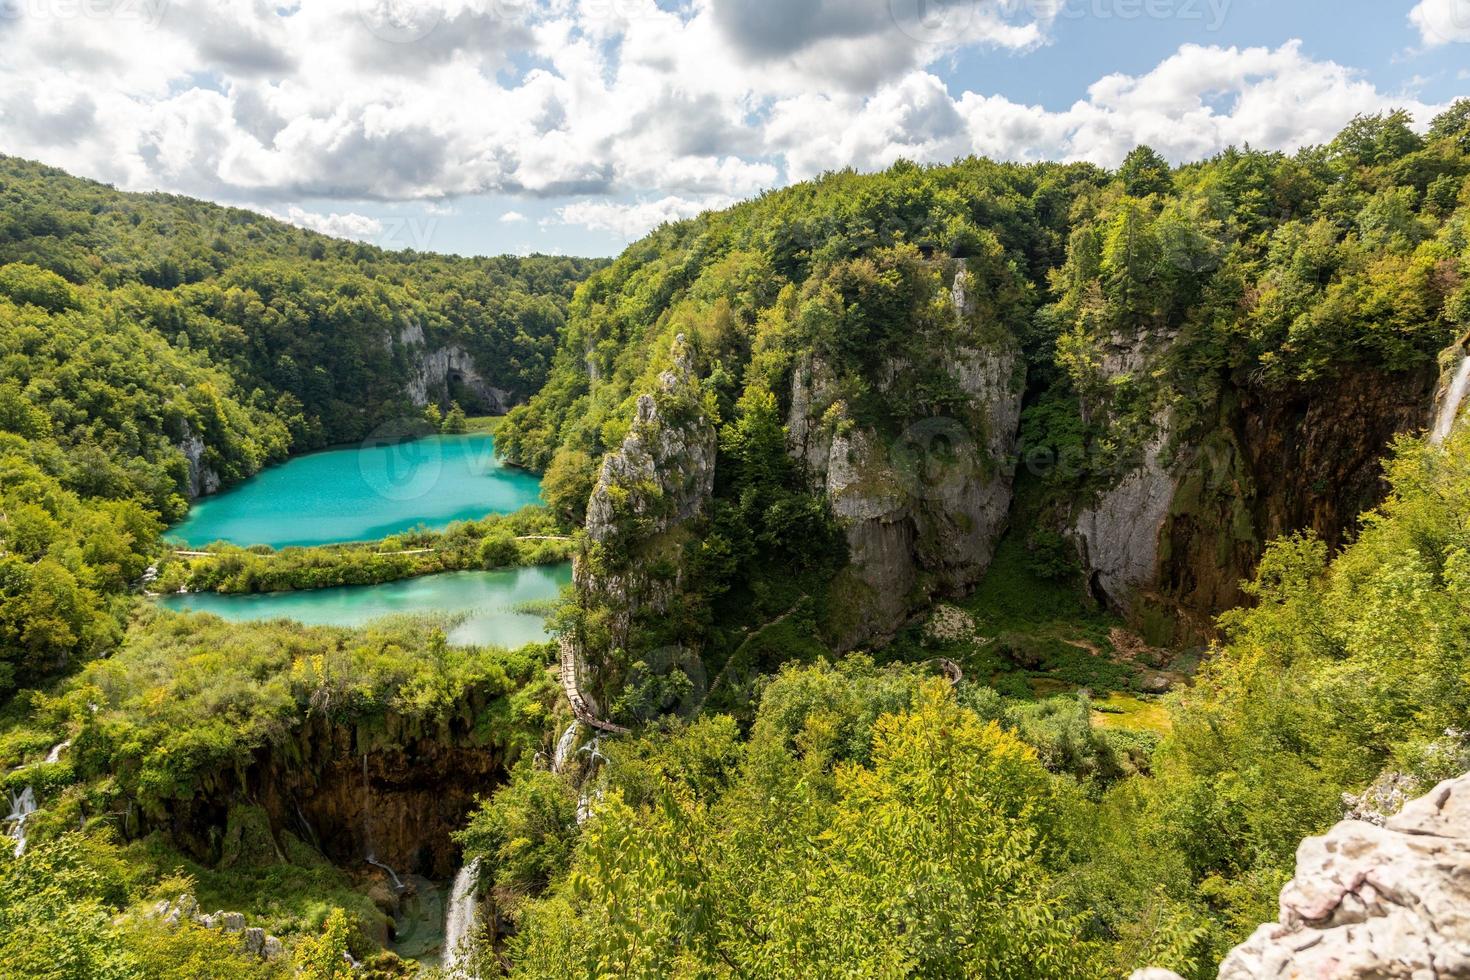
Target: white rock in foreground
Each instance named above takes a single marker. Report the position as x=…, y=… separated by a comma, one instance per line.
x=1372, y=903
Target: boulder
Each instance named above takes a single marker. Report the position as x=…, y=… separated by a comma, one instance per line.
x=1372, y=902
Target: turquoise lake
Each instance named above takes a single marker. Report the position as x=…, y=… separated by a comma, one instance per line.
x=362, y=493
x=488, y=600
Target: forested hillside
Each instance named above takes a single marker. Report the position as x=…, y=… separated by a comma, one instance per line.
x=1201, y=359
x=156, y=347
x=970, y=583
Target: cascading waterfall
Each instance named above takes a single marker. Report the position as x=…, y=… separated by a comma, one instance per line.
x=393, y=875
x=21, y=808
x=461, y=922
x=1448, y=408
x=55, y=754
x=367, y=838
x=564, y=746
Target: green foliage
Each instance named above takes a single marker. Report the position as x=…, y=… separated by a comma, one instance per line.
x=322, y=957
x=927, y=859
x=527, y=537
x=454, y=420
x=528, y=830
x=151, y=344
x=60, y=918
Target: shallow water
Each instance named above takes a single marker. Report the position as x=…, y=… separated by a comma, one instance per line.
x=488, y=600
x=362, y=493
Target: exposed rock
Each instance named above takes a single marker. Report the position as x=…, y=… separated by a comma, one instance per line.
x=922, y=511
x=658, y=481
x=950, y=624
x=256, y=941
x=1372, y=902
x=399, y=795
x=1119, y=534
x=435, y=371
x=1381, y=799
x=202, y=477
x=1185, y=523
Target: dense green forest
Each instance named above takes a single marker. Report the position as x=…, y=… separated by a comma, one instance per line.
x=135, y=329
x=993, y=790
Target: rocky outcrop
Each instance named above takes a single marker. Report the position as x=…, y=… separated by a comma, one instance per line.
x=394, y=794
x=1118, y=534
x=1372, y=902
x=440, y=373
x=664, y=472
x=648, y=493
x=255, y=940
x=1181, y=526
x=202, y=477
x=922, y=509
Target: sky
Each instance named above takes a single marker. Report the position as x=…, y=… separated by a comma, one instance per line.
x=575, y=126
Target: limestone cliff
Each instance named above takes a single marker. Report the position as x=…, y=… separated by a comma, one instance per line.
x=438, y=374
x=923, y=508
x=202, y=477
x=649, y=493
x=1371, y=902
x=394, y=793
x=1176, y=531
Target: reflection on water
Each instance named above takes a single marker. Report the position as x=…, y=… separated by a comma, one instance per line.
x=492, y=603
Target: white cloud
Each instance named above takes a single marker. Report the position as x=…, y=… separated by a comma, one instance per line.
x=1442, y=21
x=359, y=227
x=511, y=217
x=630, y=221
x=245, y=100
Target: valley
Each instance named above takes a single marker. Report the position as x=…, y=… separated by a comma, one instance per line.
x=978, y=569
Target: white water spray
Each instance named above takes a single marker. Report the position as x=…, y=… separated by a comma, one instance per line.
x=21, y=808
x=462, y=922
x=564, y=747
x=397, y=882
x=1448, y=408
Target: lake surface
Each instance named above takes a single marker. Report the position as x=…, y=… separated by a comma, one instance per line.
x=487, y=599
x=362, y=493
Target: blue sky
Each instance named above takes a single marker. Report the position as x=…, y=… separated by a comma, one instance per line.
x=573, y=126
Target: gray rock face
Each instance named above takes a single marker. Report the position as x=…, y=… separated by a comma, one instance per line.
x=922, y=512
x=1372, y=902
x=661, y=477
x=433, y=370
x=202, y=478
x=665, y=468
x=1119, y=533
x=255, y=940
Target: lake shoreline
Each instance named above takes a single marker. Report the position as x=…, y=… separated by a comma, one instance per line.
x=361, y=493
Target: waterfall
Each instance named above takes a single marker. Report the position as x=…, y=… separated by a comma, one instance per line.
x=462, y=922
x=564, y=747
x=21, y=808
x=367, y=837
x=1448, y=408
x=397, y=882
x=55, y=754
